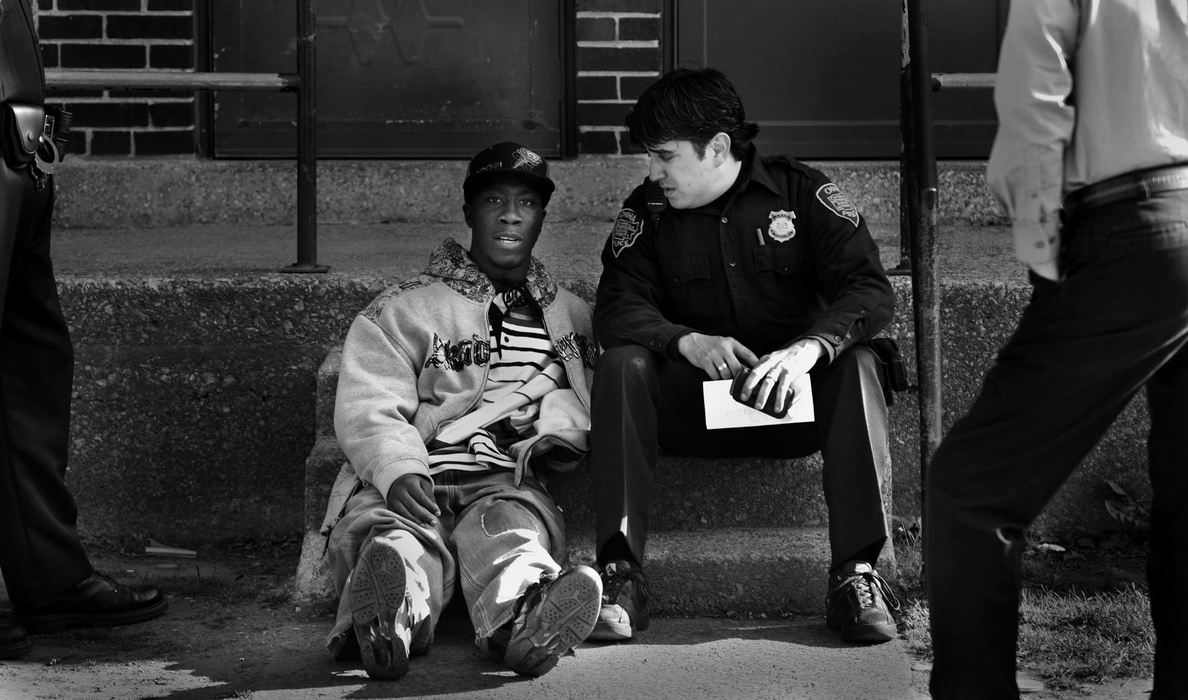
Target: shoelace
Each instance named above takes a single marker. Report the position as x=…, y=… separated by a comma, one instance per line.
x=616, y=577
x=862, y=584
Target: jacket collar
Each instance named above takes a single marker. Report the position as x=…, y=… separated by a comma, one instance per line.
x=450, y=263
x=755, y=170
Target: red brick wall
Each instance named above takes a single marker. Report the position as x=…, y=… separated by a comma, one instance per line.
x=618, y=54
x=142, y=34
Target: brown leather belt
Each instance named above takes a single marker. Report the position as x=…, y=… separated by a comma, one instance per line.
x=1128, y=187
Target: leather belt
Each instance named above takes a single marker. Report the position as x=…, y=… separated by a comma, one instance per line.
x=1133, y=186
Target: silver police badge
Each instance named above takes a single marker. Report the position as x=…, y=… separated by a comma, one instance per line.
x=781, y=228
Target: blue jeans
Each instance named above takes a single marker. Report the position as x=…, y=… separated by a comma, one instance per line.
x=493, y=539
x=1084, y=347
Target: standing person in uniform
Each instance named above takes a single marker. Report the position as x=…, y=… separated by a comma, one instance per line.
x=49, y=578
x=1091, y=163
x=722, y=260
x=458, y=391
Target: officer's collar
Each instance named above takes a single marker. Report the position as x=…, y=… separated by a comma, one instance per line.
x=754, y=170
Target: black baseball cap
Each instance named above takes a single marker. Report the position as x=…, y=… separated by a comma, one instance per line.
x=509, y=158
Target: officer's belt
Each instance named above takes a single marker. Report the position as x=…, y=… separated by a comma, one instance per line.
x=22, y=127
x=1128, y=187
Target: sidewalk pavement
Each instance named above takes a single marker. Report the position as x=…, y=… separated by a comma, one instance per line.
x=232, y=631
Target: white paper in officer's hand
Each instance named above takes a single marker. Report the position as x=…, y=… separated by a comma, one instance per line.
x=722, y=411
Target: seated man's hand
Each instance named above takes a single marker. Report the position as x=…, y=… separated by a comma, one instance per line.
x=720, y=357
x=411, y=496
x=777, y=370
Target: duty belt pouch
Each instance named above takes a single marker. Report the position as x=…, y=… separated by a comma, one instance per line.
x=894, y=373
x=20, y=133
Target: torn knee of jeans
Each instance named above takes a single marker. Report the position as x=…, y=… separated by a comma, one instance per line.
x=506, y=517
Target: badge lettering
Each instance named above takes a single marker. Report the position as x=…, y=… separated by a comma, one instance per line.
x=628, y=226
x=781, y=228
x=837, y=202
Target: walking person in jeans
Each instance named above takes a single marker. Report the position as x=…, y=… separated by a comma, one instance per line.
x=1091, y=163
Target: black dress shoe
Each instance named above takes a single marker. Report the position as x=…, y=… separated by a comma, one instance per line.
x=13, y=641
x=96, y=601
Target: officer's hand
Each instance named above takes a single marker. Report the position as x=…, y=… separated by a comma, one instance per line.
x=777, y=370
x=412, y=497
x=718, y=356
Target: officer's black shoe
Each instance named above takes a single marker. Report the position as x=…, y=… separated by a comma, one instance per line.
x=96, y=601
x=14, y=642
x=625, y=603
x=857, y=604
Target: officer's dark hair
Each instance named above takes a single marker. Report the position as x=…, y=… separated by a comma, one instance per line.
x=691, y=104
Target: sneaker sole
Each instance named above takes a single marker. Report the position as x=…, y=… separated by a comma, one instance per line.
x=869, y=634
x=48, y=624
x=377, y=598
x=565, y=620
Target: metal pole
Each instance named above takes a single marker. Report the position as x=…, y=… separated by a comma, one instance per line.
x=907, y=154
x=307, y=153
x=925, y=289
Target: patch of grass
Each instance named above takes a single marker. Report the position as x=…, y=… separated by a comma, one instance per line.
x=1084, y=615
x=1068, y=639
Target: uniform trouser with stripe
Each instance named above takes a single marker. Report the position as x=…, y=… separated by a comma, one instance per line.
x=1083, y=348
x=40, y=553
x=642, y=402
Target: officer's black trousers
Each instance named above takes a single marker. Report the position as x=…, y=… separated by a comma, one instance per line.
x=642, y=401
x=40, y=553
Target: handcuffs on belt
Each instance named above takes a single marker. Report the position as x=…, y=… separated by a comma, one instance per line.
x=37, y=138
x=55, y=136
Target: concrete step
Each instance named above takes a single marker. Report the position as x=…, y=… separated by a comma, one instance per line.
x=195, y=399
x=160, y=192
x=726, y=571
x=688, y=492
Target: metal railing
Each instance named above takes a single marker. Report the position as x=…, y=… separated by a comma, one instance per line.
x=918, y=217
x=303, y=83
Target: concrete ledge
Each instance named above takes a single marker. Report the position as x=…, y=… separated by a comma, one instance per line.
x=156, y=192
x=195, y=403
x=770, y=571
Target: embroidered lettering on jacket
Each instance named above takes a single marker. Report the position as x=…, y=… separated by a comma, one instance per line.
x=837, y=202
x=572, y=345
x=456, y=356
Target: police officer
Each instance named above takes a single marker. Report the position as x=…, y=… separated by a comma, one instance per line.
x=1091, y=163
x=724, y=260
x=50, y=580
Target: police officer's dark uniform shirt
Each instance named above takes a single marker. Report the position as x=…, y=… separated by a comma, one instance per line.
x=783, y=255
x=20, y=57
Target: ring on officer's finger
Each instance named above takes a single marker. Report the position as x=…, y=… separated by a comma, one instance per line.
x=722, y=366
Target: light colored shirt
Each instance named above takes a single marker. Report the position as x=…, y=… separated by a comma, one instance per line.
x=523, y=368
x=1128, y=63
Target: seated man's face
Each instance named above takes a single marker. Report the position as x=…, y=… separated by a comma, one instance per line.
x=505, y=218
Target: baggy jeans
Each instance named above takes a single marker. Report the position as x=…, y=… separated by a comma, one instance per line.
x=493, y=539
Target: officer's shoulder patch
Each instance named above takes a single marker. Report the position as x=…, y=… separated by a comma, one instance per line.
x=628, y=226
x=831, y=196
